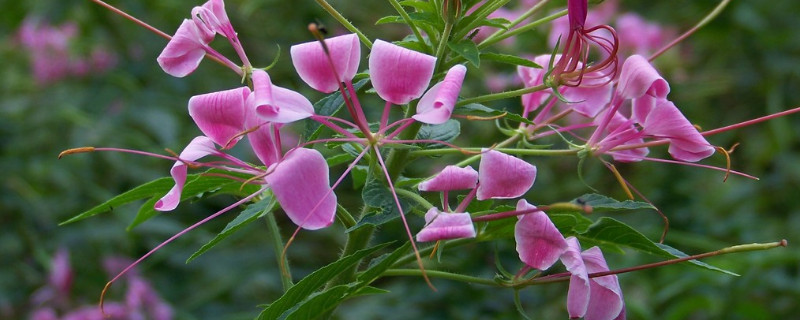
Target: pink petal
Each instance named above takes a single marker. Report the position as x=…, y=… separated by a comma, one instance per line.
x=451, y=178
x=579, y=290
x=503, y=177
x=199, y=147
x=638, y=79
x=622, y=131
x=591, y=97
x=606, y=302
x=437, y=104
x=276, y=104
x=686, y=143
x=539, y=243
x=300, y=183
x=184, y=52
x=213, y=14
x=263, y=140
x=61, y=275
x=220, y=115
x=444, y=226
x=399, y=75
x=532, y=77
x=313, y=67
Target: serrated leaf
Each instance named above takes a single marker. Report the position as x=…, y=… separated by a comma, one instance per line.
x=468, y=50
x=601, y=203
x=446, y=132
x=328, y=106
x=614, y=234
x=379, y=265
x=249, y=214
x=317, y=304
x=479, y=110
x=311, y=283
x=509, y=59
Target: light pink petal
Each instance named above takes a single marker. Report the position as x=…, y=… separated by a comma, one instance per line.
x=590, y=99
x=399, y=75
x=622, y=132
x=638, y=77
x=301, y=185
x=444, y=226
x=606, y=302
x=502, y=176
x=184, y=52
x=532, y=77
x=686, y=143
x=275, y=104
x=451, y=178
x=61, y=275
x=436, y=106
x=539, y=243
x=578, y=294
x=199, y=147
x=263, y=140
x=220, y=115
x=313, y=67
x=214, y=15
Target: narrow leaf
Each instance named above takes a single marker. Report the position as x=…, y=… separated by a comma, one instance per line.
x=381, y=264
x=468, y=50
x=317, y=304
x=159, y=186
x=509, y=59
x=601, y=203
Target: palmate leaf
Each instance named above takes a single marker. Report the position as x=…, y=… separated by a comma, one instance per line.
x=251, y=213
x=311, y=283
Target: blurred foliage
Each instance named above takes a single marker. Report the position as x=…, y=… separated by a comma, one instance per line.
x=745, y=64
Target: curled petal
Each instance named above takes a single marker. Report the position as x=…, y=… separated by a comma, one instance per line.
x=220, y=115
x=606, y=302
x=214, y=15
x=443, y=226
x=539, y=243
x=503, y=177
x=451, y=178
x=184, y=51
x=312, y=64
x=199, y=147
x=578, y=294
x=276, y=104
x=622, y=131
x=399, y=75
x=437, y=104
x=301, y=185
x=686, y=143
x=639, y=80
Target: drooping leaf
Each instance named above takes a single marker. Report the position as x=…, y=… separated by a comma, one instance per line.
x=311, y=283
x=612, y=234
x=446, y=132
x=328, y=106
x=509, y=59
x=317, y=304
x=249, y=214
x=468, y=50
x=601, y=203
x=479, y=110
x=500, y=23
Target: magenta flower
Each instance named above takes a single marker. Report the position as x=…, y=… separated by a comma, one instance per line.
x=641, y=83
x=276, y=104
x=502, y=176
x=598, y=298
x=436, y=106
x=221, y=115
x=539, y=243
x=443, y=226
x=399, y=75
x=685, y=142
x=451, y=178
x=637, y=35
x=300, y=183
x=311, y=62
x=183, y=53
x=199, y=147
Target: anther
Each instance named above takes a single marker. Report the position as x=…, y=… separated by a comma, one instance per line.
x=75, y=150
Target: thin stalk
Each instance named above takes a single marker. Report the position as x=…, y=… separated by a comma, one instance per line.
x=415, y=196
x=410, y=23
x=440, y=50
x=522, y=152
x=713, y=14
x=349, y=26
x=501, y=95
x=502, y=34
x=277, y=244
x=441, y=274
x=345, y=217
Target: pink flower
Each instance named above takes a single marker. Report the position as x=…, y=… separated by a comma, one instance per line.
x=183, y=53
x=451, y=178
x=312, y=64
x=276, y=104
x=641, y=83
x=685, y=142
x=444, y=226
x=436, y=106
x=198, y=148
x=598, y=298
x=539, y=243
x=399, y=75
x=637, y=35
x=502, y=176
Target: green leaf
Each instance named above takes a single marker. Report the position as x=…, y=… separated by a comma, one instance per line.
x=570, y=223
x=311, y=283
x=328, y=106
x=317, y=304
x=368, y=290
x=612, y=234
x=468, y=50
x=378, y=265
x=479, y=110
x=378, y=196
x=157, y=187
x=446, y=132
x=601, y=203
x=500, y=23
x=509, y=59
x=679, y=254
x=420, y=6
x=338, y=159
x=249, y=214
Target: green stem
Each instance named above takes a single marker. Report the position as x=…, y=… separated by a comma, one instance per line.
x=485, y=10
x=345, y=217
x=427, y=250
x=338, y=16
x=413, y=195
x=490, y=41
x=277, y=243
x=522, y=152
x=410, y=23
x=441, y=274
x=517, y=21
x=501, y=95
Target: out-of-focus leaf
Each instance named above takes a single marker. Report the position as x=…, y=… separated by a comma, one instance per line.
x=378, y=196
x=446, y=132
x=381, y=264
x=468, y=50
x=601, y=203
x=317, y=304
x=509, y=59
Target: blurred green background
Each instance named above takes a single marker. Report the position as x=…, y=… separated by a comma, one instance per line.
x=745, y=64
